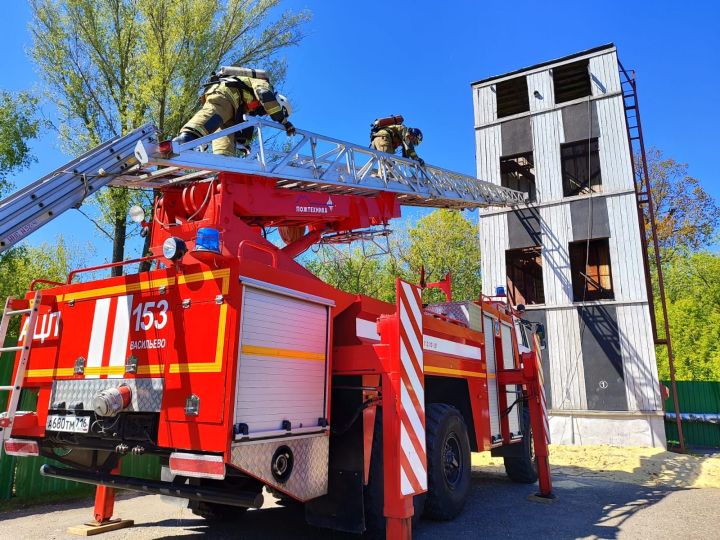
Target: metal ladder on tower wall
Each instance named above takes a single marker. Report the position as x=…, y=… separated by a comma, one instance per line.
x=646, y=211
x=15, y=307
x=33, y=206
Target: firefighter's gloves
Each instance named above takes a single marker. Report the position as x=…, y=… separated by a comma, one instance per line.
x=289, y=128
x=243, y=150
x=185, y=137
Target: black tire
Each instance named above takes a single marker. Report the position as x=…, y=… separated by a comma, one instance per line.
x=374, y=494
x=218, y=513
x=448, y=452
x=222, y=512
x=523, y=469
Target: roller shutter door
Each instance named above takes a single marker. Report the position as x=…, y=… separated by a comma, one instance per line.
x=512, y=392
x=282, y=367
x=493, y=401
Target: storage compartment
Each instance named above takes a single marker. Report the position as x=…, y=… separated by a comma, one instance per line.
x=281, y=384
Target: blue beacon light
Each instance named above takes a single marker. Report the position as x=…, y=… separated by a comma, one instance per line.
x=208, y=239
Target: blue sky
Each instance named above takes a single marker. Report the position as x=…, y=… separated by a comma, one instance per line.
x=361, y=60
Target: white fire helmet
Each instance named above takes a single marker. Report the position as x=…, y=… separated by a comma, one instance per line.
x=284, y=103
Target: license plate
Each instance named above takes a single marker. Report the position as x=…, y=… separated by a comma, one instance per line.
x=70, y=424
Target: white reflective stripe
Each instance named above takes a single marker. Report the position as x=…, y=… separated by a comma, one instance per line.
x=417, y=466
x=97, y=334
x=120, y=333
x=197, y=465
x=409, y=294
x=412, y=337
x=412, y=375
x=405, y=487
x=419, y=430
x=445, y=346
x=366, y=329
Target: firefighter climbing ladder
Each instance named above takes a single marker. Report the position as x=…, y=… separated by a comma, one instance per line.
x=307, y=162
x=319, y=163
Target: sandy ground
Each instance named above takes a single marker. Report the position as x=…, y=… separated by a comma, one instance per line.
x=602, y=492
x=642, y=466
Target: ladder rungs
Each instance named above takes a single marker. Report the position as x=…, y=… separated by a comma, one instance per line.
x=9, y=349
x=18, y=312
x=6, y=388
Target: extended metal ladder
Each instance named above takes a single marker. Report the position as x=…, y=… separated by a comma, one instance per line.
x=7, y=419
x=36, y=204
x=312, y=163
x=317, y=163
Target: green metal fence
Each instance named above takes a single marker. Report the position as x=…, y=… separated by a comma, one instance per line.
x=20, y=478
x=695, y=397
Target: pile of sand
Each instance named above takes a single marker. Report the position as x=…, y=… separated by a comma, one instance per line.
x=645, y=466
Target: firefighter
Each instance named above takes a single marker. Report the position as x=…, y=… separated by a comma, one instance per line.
x=387, y=138
x=231, y=94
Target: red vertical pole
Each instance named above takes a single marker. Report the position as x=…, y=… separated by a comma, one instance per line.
x=105, y=501
x=398, y=509
x=532, y=371
x=404, y=451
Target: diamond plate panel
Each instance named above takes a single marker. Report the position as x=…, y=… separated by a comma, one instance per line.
x=309, y=478
x=147, y=394
x=454, y=310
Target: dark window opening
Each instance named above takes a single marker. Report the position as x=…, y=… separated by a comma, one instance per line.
x=591, y=281
x=571, y=81
x=580, y=162
x=518, y=172
x=512, y=97
x=524, y=276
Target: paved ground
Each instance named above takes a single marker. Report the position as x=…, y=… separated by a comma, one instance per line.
x=588, y=506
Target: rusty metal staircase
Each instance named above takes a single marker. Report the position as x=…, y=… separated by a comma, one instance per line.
x=646, y=211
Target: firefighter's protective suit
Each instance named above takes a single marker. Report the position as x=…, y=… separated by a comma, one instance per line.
x=225, y=103
x=389, y=138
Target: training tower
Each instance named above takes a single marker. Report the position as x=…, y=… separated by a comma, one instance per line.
x=559, y=132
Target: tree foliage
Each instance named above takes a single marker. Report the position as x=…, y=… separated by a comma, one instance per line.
x=112, y=65
x=20, y=265
x=18, y=124
x=443, y=241
x=693, y=292
x=686, y=215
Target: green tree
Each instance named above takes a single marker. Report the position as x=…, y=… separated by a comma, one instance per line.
x=355, y=272
x=441, y=242
x=692, y=282
x=686, y=215
x=21, y=265
x=111, y=65
x=18, y=125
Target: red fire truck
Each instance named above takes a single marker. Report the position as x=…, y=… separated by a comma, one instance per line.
x=243, y=370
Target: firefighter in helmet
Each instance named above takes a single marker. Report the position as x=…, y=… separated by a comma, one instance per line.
x=387, y=137
x=231, y=94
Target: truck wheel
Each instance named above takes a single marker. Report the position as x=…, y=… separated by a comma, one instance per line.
x=222, y=512
x=216, y=512
x=374, y=494
x=448, y=452
x=523, y=469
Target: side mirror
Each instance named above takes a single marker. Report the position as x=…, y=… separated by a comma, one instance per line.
x=540, y=332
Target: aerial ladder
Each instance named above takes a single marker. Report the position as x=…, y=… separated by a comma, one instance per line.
x=310, y=162
x=326, y=190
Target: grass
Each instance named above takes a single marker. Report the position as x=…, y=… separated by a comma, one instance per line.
x=82, y=492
